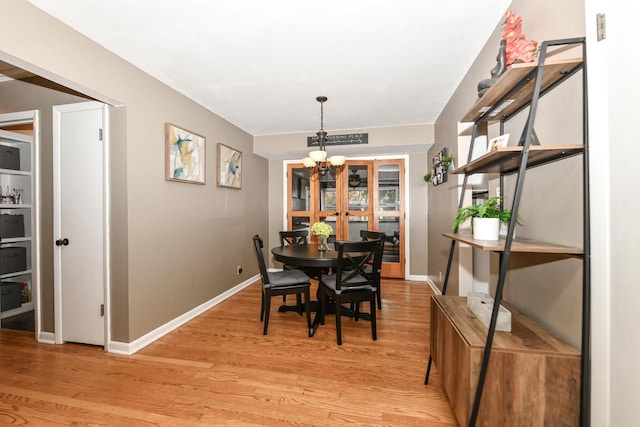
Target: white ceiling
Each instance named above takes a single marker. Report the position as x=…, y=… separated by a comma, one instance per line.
x=261, y=64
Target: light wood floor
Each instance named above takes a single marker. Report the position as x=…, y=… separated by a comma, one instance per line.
x=220, y=370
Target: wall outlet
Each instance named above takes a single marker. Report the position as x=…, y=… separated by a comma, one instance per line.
x=238, y=269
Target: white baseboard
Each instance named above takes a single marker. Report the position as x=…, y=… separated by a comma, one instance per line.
x=47, y=337
x=138, y=344
x=432, y=283
x=417, y=278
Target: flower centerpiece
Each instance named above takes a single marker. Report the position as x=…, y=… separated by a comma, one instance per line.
x=323, y=231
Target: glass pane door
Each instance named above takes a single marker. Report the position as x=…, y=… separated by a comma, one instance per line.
x=390, y=215
x=362, y=195
x=329, y=202
x=299, y=201
x=357, y=198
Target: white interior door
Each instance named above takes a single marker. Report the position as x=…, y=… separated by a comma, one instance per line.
x=79, y=223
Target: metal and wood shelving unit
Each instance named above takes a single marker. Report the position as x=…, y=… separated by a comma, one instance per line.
x=519, y=88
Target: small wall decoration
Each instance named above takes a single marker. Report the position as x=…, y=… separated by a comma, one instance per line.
x=439, y=168
x=229, y=167
x=184, y=155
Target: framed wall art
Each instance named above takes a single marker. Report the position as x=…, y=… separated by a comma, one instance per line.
x=184, y=155
x=439, y=169
x=229, y=167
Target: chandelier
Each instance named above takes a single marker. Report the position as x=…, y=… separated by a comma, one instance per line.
x=318, y=159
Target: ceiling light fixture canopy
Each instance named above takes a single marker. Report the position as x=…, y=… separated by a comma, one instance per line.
x=318, y=158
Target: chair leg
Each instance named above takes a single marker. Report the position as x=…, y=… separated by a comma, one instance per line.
x=307, y=310
x=338, y=322
x=356, y=309
x=299, y=303
x=374, y=331
x=267, y=309
x=323, y=306
x=379, y=297
x=262, y=307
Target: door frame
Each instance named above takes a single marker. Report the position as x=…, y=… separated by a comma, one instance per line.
x=57, y=111
x=407, y=200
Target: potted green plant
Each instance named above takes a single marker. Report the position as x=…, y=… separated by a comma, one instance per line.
x=486, y=218
x=447, y=161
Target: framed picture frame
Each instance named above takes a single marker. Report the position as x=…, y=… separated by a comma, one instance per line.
x=498, y=142
x=229, y=167
x=184, y=155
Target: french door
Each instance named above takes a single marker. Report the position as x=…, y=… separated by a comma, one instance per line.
x=362, y=195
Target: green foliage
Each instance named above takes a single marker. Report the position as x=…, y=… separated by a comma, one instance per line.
x=488, y=209
x=428, y=176
x=447, y=160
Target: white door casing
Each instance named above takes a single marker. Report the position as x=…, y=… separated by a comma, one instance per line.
x=80, y=285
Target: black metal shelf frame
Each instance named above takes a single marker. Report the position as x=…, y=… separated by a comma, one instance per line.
x=525, y=141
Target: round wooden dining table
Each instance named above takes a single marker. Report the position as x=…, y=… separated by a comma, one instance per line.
x=305, y=256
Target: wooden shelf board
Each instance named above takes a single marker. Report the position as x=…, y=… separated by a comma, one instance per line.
x=507, y=160
x=553, y=71
x=525, y=336
x=517, y=245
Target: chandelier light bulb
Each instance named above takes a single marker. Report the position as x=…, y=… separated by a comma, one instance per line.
x=337, y=160
x=318, y=156
x=308, y=162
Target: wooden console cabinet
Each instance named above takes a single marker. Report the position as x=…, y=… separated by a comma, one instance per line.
x=533, y=378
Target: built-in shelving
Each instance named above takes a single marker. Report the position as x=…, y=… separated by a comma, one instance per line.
x=21, y=178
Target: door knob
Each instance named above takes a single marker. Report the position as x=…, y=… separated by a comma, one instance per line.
x=62, y=242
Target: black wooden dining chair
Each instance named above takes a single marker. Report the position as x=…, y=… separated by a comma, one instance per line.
x=351, y=282
x=293, y=237
x=367, y=235
x=286, y=282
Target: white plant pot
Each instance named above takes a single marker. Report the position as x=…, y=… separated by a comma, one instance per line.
x=486, y=228
x=504, y=229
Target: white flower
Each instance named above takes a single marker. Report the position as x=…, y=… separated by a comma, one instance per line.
x=321, y=229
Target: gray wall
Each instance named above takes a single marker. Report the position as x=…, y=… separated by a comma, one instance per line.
x=545, y=288
x=182, y=241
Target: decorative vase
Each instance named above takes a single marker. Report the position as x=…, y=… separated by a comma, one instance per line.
x=486, y=228
x=323, y=246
